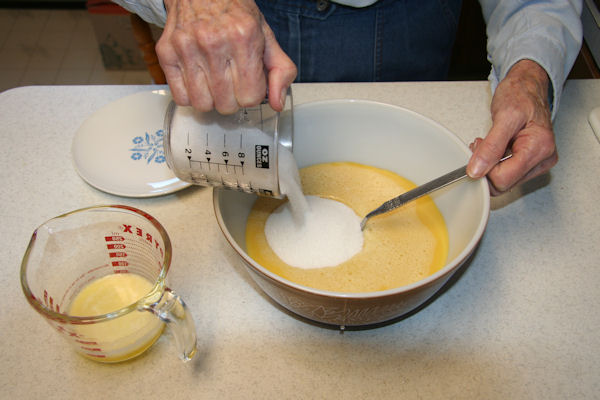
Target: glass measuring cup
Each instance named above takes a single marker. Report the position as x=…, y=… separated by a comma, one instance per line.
x=238, y=151
x=98, y=257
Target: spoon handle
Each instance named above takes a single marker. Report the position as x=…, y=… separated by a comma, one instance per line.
x=437, y=183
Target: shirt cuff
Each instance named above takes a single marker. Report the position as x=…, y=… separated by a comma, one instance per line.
x=152, y=11
x=547, y=54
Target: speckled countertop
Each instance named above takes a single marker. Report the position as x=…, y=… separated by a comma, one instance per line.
x=519, y=321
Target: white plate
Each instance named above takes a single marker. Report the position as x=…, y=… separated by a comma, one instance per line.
x=594, y=119
x=119, y=149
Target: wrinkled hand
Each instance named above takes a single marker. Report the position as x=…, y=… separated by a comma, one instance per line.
x=521, y=123
x=221, y=54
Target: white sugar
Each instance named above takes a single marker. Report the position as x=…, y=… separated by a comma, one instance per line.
x=289, y=184
x=310, y=231
x=329, y=234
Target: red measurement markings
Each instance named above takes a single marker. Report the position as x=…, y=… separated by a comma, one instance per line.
x=120, y=264
x=86, y=342
x=49, y=301
x=117, y=264
x=141, y=233
x=91, y=348
x=114, y=238
x=116, y=254
x=65, y=331
x=95, y=355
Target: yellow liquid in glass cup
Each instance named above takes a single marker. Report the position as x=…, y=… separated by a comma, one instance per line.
x=120, y=338
x=98, y=276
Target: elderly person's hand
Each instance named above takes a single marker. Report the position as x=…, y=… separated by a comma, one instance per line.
x=221, y=54
x=521, y=123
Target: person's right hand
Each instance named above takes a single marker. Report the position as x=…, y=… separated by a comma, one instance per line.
x=221, y=54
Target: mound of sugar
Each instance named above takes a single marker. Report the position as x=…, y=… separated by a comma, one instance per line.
x=328, y=235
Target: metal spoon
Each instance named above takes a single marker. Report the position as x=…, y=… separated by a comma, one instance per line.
x=420, y=191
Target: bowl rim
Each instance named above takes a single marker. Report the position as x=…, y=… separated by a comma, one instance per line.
x=425, y=282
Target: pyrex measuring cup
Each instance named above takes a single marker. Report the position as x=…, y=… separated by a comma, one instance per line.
x=238, y=151
x=95, y=259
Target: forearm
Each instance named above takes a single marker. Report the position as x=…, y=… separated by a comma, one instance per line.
x=548, y=33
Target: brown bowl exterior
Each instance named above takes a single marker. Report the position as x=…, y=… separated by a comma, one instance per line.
x=346, y=311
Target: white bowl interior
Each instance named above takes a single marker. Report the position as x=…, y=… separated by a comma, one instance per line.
x=387, y=137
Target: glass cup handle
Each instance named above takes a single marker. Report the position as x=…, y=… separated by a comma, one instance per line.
x=171, y=309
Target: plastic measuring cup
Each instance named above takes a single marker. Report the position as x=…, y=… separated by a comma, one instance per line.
x=238, y=151
x=109, y=245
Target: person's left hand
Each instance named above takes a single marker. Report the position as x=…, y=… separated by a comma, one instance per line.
x=521, y=124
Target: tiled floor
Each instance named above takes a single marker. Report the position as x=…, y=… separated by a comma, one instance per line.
x=54, y=47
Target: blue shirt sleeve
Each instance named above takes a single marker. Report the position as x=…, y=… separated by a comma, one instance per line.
x=152, y=11
x=547, y=32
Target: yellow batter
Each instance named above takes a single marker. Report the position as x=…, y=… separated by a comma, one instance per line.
x=400, y=247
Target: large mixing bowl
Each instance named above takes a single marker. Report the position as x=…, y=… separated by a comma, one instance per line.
x=387, y=137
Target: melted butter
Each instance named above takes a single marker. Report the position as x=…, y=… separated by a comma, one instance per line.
x=122, y=337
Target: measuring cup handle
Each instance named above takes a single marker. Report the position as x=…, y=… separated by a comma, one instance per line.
x=171, y=309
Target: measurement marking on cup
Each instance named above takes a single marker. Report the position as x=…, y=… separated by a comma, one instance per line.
x=95, y=355
x=91, y=348
x=86, y=342
x=200, y=165
x=49, y=302
x=120, y=264
x=225, y=160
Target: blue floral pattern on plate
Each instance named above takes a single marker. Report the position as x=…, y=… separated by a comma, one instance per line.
x=149, y=147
